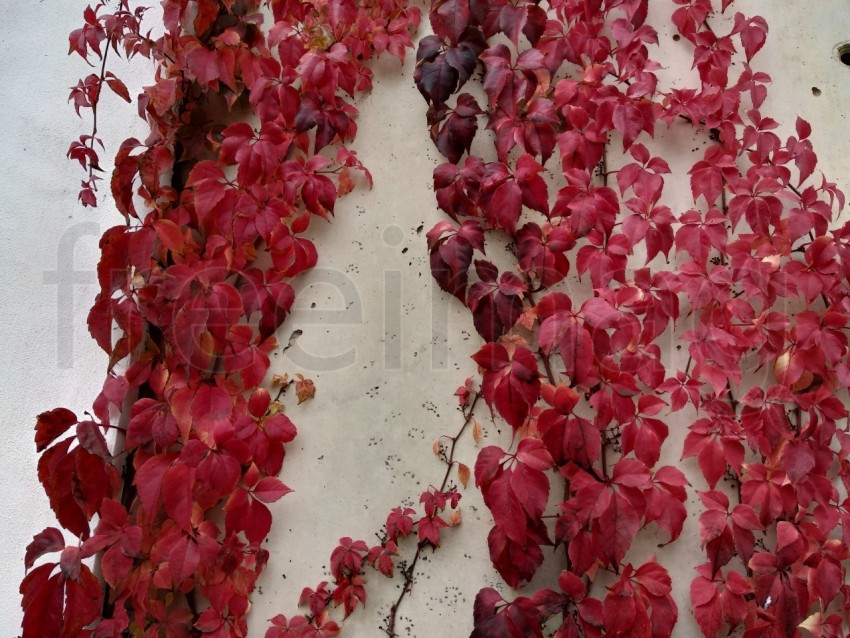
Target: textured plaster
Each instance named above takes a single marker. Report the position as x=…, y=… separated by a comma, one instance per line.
x=385, y=348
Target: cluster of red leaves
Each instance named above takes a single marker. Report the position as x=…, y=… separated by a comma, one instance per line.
x=759, y=273
x=172, y=493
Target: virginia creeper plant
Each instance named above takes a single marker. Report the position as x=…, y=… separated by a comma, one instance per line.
x=756, y=271
x=166, y=482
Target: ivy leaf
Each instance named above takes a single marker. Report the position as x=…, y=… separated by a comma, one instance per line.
x=506, y=506
x=628, y=120
x=716, y=599
x=449, y=19
x=615, y=529
x=516, y=562
x=211, y=409
x=62, y=604
x=708, y=175
x=208, y=185
x=511, y=381
x=457, y=132
x=177, y=496
x=270, y=489
x=51, y=425
x=561, y=330
x=45, y=542
x=436, y=79
x=117, y=86
x=504, y=204
x=495, y=306
x=753, y=33
x=451, y=254
x=541, y=252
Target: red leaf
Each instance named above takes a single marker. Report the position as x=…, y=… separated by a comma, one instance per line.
x=183, y=559
x=92, y=440
x=623, y=613
x=43, y=597
x=177, y=483
x=207, y=182
x=115, y=566
x=507, y=506
x=495, y=306
x=533, y=453
x=493, y=619
x=504, y=206
x=258, y=522
x=449, y=18
x=535, y=193
x=117, y=86
x=148, y=482
x=708, y=175
x=399, y=522
x=628, y=120
x=753, y=33
x=488, y=464
x=532, y=488
x=51, y=425
x=270, y=489
x=516, y=562
x=42, y=602
x=716, y=601
x=798, y=459
x=804, y=129
x=667, y=511
x=600, y=314
x=207, y=14
x=511, y=383
x=211, y=409
x=451, y=254
x=456, y=134
x=615, y=529
x=99, y=322
x=541, y=252
x=435, y=76
x=381, y=558
x=56, y=472
x=429, y=529
x=561, y=330
x=45, y=542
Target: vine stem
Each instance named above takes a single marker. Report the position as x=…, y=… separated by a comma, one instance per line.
x=547, y=365
x=100, y=83
x=409, y=570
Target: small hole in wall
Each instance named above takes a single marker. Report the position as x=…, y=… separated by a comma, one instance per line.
x=842, y=52
x=815, y=91
x=677, y=37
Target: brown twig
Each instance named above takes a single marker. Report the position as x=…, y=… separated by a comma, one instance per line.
x=409, y=570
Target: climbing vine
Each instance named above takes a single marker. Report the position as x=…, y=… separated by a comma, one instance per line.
x=166, y=482
x=756, y=270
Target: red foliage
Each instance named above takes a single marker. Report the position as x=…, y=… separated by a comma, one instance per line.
x=577, y=77
x=196, y=313
x=187, y=314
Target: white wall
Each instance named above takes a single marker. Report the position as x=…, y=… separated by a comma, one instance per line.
x=365, y=441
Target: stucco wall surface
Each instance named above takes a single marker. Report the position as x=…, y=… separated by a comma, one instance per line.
x=384, y=346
